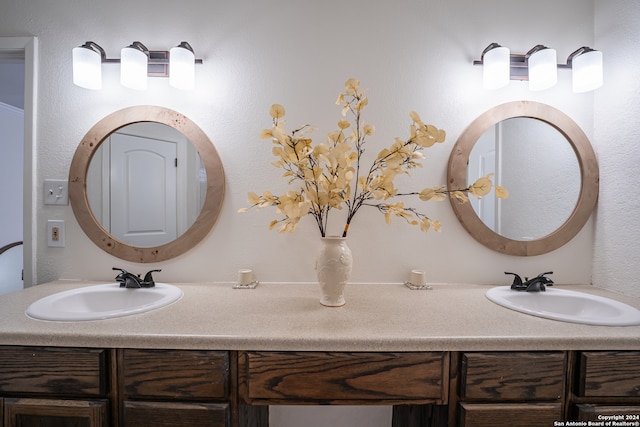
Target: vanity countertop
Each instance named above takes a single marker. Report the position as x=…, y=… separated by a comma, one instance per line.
x=288, y=317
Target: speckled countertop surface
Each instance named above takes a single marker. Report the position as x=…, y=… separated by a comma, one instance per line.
x=288, y=317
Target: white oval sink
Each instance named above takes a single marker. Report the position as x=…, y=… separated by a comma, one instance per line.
x=102, y=302
x=567, y=306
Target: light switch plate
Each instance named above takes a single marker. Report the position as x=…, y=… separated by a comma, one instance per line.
x=56, y=192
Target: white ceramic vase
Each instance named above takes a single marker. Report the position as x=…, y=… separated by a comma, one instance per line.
x=333, y=267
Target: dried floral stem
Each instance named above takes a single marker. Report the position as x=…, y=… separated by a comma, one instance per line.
x=329, y=173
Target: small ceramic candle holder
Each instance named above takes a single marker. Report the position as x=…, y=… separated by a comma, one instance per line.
x=417, y=280
x=245, y=279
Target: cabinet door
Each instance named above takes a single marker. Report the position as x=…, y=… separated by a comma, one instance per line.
x=609, y=374
x=52, y=370
x=509, y=414
x=506, y=376
x=174, y=414
x=55, y=413
x=175, y=374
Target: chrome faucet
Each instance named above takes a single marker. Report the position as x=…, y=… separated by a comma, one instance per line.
x=129, y=280
x=537, y=284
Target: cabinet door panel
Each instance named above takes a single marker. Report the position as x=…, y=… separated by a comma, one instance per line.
x=55, y=413
x=610, y=374
x=318, y=377
x=175, y=374
x=509, y=414
x=52, y=370
x=172, y=414
x=513, y=376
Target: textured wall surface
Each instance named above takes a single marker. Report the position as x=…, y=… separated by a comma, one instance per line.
x=616, y=259
x=412, y=55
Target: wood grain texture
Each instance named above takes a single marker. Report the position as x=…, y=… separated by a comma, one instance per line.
x=175, y=374
x=513, y=376
x=78, y=183
x=610, y=374
x=590, y=181
x=173, y=414
x=319, y=377
x=52, y=370
x=509, y=414
x=56, y=413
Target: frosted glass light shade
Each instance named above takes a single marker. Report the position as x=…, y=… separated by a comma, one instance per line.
x=587, y=71
x=496, y=68
x=133, y=68
x=543, y=69
x=182, y=68
x=87, y=68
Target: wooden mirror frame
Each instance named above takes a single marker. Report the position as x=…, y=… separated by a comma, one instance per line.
x=78, y=184
x=457, y=178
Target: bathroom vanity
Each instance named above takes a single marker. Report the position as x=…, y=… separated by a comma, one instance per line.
x=220, y=356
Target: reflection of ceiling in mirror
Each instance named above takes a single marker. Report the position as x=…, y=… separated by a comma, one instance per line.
x=537, y=165
x=146, y=184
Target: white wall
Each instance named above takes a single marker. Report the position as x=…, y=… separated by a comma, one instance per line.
x=617, y=144
x=412, y=54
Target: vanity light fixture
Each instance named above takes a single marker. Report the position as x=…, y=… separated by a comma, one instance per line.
x=87, y=65
x=586, y=67
x=539, y=66
x=136, y=64
x=182, y=63
x=543, y=67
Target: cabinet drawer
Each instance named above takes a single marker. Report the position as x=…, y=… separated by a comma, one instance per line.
x=509, y=414
x=513, y=376
x=52, y=370
x=588, y=412
x=175, y=374
x=173, y=414
x=319, y=377
x=49, y=412
x=609, y=373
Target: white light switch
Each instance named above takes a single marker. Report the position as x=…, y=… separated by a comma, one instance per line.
x=55, y=233
x=56, y=192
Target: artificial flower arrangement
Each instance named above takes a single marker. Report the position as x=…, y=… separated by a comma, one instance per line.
x=331, y=175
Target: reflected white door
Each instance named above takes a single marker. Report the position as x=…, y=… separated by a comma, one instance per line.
x=143, y=190
x=482, y=161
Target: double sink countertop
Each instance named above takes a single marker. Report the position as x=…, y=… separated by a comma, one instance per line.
x=289, y=317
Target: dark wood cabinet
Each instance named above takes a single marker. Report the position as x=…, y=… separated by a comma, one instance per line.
x=343, y=378
x=86, y=387
x=510, y=388
x=607, y=384
x=174, y=388
x=29, y=412
x=51, y=387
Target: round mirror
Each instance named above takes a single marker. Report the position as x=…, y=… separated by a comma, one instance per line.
x=146, y=184
x=546, y=163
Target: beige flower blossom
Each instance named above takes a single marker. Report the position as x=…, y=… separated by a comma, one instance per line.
x=331, y=175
